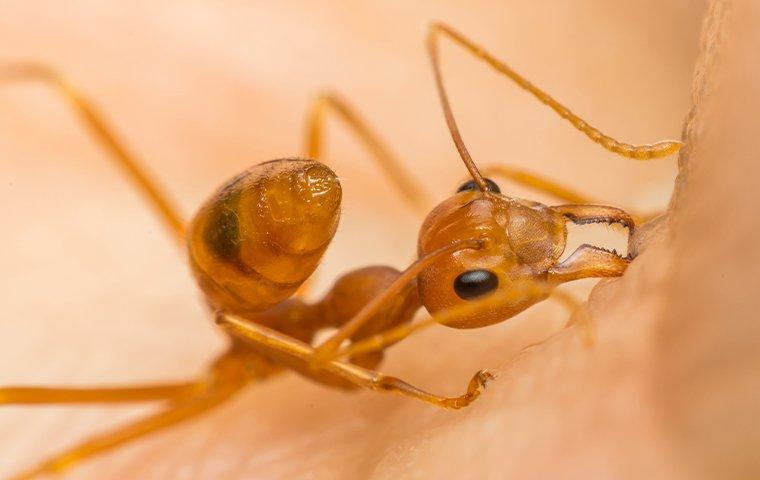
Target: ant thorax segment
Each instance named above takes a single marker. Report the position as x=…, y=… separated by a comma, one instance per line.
x=522, y=240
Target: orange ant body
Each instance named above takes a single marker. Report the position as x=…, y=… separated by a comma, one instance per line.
x=483, y=257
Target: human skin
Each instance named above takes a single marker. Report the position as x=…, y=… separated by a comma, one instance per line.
x=96, y=294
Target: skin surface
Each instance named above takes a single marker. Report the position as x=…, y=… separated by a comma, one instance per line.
x=95, y=293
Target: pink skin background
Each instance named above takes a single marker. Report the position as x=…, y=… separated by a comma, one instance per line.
x=95, y=293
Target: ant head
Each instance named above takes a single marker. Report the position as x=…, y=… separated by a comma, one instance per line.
x=522, y=240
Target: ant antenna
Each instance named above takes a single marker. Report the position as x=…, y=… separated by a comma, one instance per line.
x=645, y=151
x=450, y=121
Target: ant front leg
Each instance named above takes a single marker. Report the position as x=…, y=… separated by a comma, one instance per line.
x=299, y=357
x=325, y=351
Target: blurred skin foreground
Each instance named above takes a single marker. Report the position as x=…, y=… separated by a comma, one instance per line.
x=666, y=392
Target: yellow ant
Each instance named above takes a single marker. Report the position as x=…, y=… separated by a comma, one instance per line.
x=483, y=258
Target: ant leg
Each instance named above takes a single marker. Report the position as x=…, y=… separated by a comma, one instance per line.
x=388, y=337
x=371, y=309
x=57, y=396
x=409, y=189
x=96, y=125
x=548, y=186
x=226, y=383
x=537, y=182
x=299, y=357
x=637, y=152
x=168, y=417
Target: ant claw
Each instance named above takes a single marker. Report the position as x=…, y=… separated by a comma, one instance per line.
x=482, y=378
x=474, y=389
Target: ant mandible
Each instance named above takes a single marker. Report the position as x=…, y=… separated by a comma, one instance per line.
x=483, y=258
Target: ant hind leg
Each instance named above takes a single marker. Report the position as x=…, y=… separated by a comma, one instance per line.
x=103, y=134
x=172, y=415
x=184, y=402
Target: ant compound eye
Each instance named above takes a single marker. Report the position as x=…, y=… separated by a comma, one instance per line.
x=475, y=283
x=471, y=185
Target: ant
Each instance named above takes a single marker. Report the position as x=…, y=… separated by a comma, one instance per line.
x=483, y=257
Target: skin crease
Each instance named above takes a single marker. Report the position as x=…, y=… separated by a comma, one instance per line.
x=94, y=292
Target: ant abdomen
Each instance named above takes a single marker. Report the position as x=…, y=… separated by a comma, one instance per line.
x=261, y=235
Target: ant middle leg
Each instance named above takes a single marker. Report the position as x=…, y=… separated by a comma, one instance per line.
x=75, y=396
x=538, y=183
x=169, y=392
x=552, y=188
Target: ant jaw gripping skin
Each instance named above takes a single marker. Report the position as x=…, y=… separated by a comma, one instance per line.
x=524, y=241
x=588, y=260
